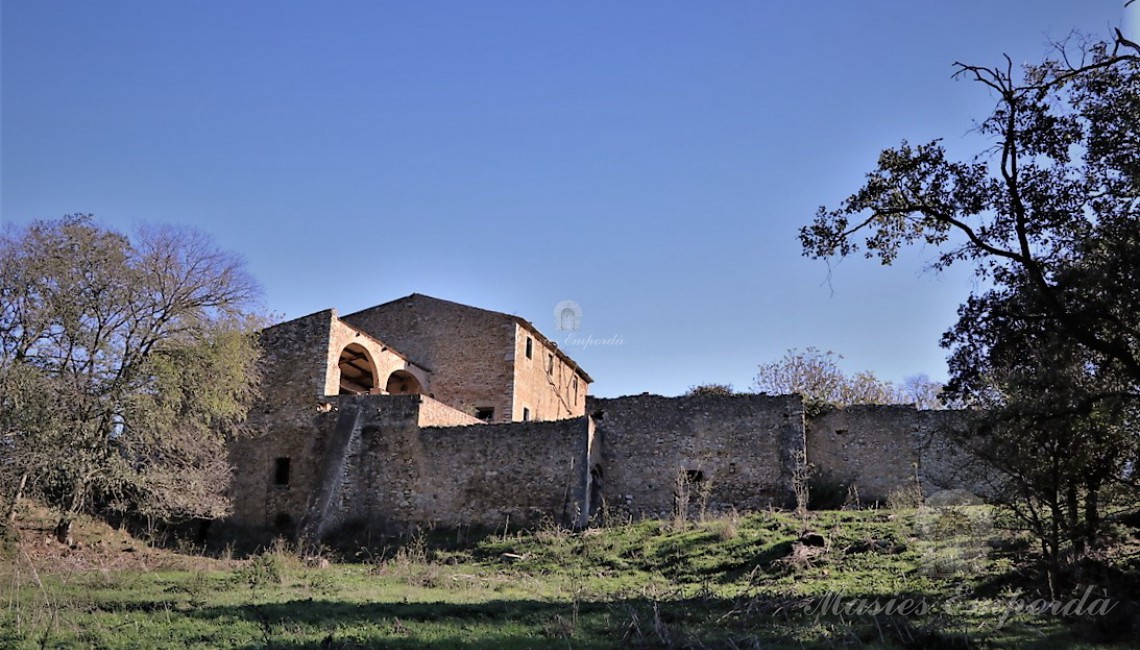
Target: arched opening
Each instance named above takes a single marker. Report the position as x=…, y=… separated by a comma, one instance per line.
x=403, y=382
x=357, y=374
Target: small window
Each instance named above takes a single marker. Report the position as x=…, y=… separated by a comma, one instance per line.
x=575, y=383
x=550, y=364
x=529, y=348
x=485, y=413
x=526, y=414
x=281, y=472
x=694, y=476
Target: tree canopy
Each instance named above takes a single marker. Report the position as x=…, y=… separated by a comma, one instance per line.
x=1048, y=215
x=816, y=376
x=124, y=363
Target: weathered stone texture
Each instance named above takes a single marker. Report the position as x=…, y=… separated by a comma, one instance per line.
x=881, y=448
x=386, y=473
x=476, y=357
x=548, y=384
x=383, y=359
x=366, y=462
x=433, y=413
x=739, y=450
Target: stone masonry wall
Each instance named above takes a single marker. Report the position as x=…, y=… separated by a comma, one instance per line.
x=433, y=413
x=397, y=475
x=881, y=448
x=545, y=383
x=467, y=350
x=722, y=452
x=281, y=426
x=384, y=359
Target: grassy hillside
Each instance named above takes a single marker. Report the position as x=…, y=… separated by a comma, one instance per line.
x=926, y=578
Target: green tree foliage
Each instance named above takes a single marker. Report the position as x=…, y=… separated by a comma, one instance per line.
x=1049, y=218
x=124, y=363
x=710, y=390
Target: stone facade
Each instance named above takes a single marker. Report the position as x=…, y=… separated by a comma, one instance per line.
x=481, y=361
x=423, y=412
x=876, y=449
x=713, y=453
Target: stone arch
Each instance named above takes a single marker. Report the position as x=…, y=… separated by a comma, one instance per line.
x=403, y=382
x=357, y=372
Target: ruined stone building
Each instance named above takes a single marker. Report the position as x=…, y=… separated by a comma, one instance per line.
x=425, y=412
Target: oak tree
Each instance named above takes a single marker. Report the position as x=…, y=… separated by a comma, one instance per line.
x=124, y=363
x=1048, y=215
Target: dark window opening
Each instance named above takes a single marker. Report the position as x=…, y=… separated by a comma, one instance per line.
x=281, y=471
x=840, y=432
x=403, y=382
x=485, y=413
x=526, y=414
x=529, y=348
x=694, y=476
x=598, y=414
x=550, y=363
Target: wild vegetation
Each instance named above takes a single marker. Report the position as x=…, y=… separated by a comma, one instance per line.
x=124, y=364
x=949, y=577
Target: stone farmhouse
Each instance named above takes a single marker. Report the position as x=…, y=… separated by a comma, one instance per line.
x=424, y=412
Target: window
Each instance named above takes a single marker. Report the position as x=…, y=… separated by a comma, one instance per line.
x=485, y=413
x=281, y=472
x=526, y=414
x=550, y=364
x=529, y=348
x=575, y=383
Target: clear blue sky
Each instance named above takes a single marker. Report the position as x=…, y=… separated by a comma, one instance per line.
x=650, y=160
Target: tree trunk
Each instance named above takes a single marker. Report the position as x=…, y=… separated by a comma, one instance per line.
x=1073, y=521
x=63, y=529
x=1092, y=514
x=16, y=496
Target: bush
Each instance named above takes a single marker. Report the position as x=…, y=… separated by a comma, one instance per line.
x=268, y=568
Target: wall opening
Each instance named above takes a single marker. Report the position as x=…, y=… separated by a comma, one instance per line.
x=281, y=472
x=529, y=348
x=526, y=414
x=357, y=374
x=283, y=523
x=403, y=382
x=485, y=413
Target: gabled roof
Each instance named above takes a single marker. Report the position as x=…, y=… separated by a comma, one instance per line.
x=510, y=317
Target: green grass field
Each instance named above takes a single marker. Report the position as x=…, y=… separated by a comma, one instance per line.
x=927, y=578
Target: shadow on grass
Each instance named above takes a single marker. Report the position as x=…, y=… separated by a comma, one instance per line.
x=710, y=622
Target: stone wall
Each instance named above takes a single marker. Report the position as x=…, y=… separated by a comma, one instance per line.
x=713, y=453
x=383, y=359
x=281, y=425
x=881, y=448
x=546, y=383
x=395, y=475
x=433, y=413
x=467, y=350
